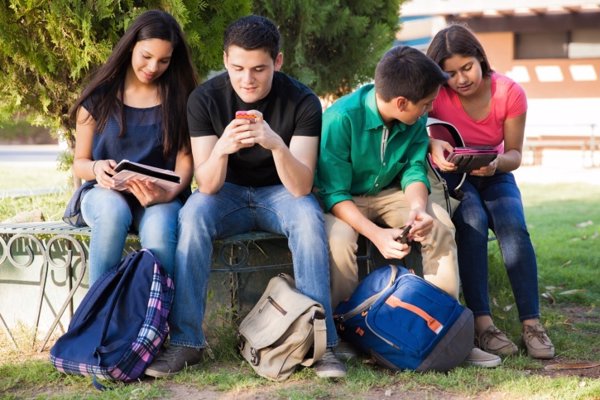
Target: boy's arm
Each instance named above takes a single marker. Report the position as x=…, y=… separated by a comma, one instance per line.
x=417, y=195
x=211, y=155
x=385, y=239
x=210, y=167
x=334, y=180
x=296, y=165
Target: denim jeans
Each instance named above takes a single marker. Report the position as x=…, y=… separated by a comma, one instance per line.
x=111, y=216
x=237, y=209
x=494, y=202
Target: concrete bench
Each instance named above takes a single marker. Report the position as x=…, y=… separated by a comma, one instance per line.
x=537, y=144
x=51, y=256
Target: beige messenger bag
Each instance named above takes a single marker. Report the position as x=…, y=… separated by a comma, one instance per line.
x=278, y=333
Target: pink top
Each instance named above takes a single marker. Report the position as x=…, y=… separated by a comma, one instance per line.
x=508, y=101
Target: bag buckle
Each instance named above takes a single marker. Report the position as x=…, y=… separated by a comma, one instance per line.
x=317, y=315
x=254, y=357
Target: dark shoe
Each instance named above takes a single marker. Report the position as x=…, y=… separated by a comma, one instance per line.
x=172, y=360
x=537, y=342
x=494, y=341
x=329, y=366
x=480, y=358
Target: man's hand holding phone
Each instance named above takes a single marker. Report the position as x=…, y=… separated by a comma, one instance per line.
x=245, y=115
x=247, y=137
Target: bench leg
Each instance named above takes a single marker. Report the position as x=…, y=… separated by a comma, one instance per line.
x=73, y=247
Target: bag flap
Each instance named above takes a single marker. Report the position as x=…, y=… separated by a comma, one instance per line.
x=368, y=291
x=278, y=308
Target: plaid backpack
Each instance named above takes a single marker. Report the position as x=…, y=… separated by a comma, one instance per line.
x=120, y=324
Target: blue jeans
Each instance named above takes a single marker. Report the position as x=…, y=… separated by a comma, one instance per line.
x=495, y=203
x=111, y=215
x=237, y=209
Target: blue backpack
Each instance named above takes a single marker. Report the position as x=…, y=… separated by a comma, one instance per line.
x=405, y=322
x=120, y=324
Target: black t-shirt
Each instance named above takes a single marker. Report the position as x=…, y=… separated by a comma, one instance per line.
x=290, y=109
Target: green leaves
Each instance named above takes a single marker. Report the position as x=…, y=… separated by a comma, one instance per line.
x=48, y=48
x=333, y=46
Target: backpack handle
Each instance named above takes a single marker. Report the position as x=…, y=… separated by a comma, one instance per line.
x=458, y=141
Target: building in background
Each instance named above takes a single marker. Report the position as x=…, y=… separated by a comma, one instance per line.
x=551, y=47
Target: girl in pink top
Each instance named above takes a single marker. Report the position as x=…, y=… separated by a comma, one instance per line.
x=488, y=109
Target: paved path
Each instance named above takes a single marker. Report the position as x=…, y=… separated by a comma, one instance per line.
x=29, y=153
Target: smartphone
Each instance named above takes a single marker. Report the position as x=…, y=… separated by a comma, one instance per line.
x=404, y=235
x=244, y=115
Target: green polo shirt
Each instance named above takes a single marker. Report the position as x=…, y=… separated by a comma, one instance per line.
x=356, y=158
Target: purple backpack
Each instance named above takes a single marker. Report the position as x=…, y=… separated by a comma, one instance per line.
x=120, y=324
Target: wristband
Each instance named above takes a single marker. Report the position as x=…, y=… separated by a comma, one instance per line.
x=94, y=168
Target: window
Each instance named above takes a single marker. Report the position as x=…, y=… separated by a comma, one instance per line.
x=585, y=43
x=541, y=45
x=577, y=43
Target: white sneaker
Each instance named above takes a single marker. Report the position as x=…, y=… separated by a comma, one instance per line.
x=480, y=358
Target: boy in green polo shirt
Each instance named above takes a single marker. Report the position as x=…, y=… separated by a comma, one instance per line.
x=372, y=176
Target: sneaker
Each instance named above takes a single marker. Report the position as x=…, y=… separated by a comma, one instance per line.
x=172, y=360
x=537, y=342
x=494, y=341
x=329, y=366
x=344, y=351
x=480, y=358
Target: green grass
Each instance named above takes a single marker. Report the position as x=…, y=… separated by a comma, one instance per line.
x=563, y=221
x=30, y=176
x=25, y=177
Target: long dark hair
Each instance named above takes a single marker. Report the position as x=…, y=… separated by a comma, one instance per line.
x=459, y=40
x=107, y=84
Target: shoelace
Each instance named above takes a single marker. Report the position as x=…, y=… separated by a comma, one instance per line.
x=536, y=332
x=491, y=333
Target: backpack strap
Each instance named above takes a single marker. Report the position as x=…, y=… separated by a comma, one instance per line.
x=125, y=270
x=320, y=339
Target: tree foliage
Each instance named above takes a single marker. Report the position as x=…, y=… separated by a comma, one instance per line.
x=49, y=47
x=333, y=46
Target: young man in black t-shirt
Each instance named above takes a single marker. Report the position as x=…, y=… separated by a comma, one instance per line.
x=254, y=172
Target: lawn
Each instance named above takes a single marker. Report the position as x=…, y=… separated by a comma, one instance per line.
x=563, y=221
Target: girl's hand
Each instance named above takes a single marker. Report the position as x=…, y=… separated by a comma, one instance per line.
x=438, y=149
x=147, y=192
x=103, y=170
x=488, y=170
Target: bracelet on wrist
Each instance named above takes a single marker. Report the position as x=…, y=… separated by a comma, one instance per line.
x=94, y=168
